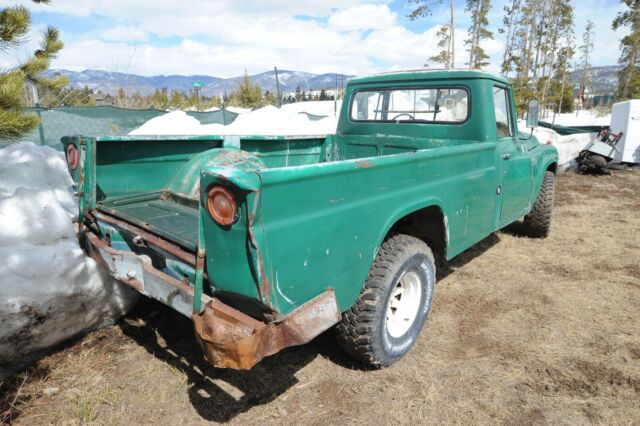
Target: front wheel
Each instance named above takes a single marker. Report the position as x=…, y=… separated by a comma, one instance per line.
x=538, y=222
x=393, y=305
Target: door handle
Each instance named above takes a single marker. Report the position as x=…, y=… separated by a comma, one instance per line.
x=506, y=156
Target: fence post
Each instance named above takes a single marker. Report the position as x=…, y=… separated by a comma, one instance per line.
x=36, y=104
x=40, y=127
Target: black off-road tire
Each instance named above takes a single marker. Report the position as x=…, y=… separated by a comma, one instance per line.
x=363, y=330
x=537, y=223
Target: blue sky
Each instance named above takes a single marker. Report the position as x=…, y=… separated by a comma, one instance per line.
x=224, y=37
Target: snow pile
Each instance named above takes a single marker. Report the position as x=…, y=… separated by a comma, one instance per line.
x=568, y=146
x=268, y=120
x=49, y=289
x=326, y=108
x=582, y=118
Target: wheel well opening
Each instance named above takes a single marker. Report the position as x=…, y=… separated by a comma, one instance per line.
x=428, y=225
x=553, y=167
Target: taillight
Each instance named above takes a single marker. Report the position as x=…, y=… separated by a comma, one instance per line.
x=221, y=205
x=72, y=157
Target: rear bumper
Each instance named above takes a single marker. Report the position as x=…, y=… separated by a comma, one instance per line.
x=228, y=337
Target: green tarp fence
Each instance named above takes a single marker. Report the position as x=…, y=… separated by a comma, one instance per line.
x=102, y=121
x=565, y=130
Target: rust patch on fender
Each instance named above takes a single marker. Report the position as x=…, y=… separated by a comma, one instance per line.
x=231, y=339
x=365, y=164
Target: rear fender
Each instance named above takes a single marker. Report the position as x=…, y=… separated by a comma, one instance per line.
x=234, y=256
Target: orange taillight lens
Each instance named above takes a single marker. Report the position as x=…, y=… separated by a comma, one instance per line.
x=221, y=205
x=72, y=157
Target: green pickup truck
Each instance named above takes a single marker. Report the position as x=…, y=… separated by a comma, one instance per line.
x=266, y=242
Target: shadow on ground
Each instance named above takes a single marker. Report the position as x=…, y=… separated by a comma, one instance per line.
x=220, y=394
x=216, y=394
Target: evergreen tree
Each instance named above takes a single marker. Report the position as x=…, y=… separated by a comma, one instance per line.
x=444, y=43
x=160, y=99
x=14, y=26
x=629, y=76
x=270, y=98
x=248, y=95
x=177, y=100
x=585, y=52
x=478, y=31
x=509, y=22
x=541, y=38
x=423, y=8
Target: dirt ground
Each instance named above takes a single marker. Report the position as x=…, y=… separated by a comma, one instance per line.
x=522, y=331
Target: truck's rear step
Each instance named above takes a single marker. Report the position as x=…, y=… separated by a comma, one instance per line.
x=159, y=213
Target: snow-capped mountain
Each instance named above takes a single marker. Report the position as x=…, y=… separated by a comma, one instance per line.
x=110, y=82
x=604, y=80
x=289, y=82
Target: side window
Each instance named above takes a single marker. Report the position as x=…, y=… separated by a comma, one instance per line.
x=503, y=112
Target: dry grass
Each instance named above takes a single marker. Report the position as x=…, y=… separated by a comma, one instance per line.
x=522, y=331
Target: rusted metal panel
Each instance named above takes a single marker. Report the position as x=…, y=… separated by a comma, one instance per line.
x=137, y=272
x=231, y=339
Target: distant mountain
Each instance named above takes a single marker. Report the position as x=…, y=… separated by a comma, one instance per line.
x=110, y=82
x=604, y=80
x=289, y=82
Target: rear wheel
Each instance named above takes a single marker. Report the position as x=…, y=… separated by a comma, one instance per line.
x=386, y=320
x=538, y=222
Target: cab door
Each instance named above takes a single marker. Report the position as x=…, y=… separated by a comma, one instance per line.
x=513, y=162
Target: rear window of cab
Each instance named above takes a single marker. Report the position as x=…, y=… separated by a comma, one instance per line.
x=411, y=105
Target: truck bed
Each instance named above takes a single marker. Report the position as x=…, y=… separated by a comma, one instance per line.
x=160, y=213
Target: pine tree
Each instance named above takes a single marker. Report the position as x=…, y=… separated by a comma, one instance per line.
x=424, y=8
x=444, y=42
x=177, y=101
x=478, y=31
x=556, y=45
x=270, y=98
x=629, y=76
x=540, y=31
x=15, y=22
x=585, y=49
x=249, y=95
x=509, y=22
x=160, y=99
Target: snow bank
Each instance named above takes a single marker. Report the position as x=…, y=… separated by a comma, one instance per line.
x=568, y=146
x=264, y=121
x=582, y=118
x=49, y=289
x=314, y=107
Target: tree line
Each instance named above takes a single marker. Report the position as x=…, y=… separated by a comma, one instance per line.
x=540, y=47
x=247, y=95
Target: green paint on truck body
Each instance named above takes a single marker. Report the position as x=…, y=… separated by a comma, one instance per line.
x=313, y=210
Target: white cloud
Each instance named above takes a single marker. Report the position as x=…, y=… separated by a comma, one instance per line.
x=252, y=38
x=363, y=17
x=393, y=47
x=223, y=37
x=124, y=33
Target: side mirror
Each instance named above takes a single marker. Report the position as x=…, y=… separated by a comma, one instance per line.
x=533, y=110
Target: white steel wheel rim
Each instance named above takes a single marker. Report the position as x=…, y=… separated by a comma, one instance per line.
x=404, y=304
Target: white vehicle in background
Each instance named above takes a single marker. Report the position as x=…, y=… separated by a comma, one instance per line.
x=620, y=144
